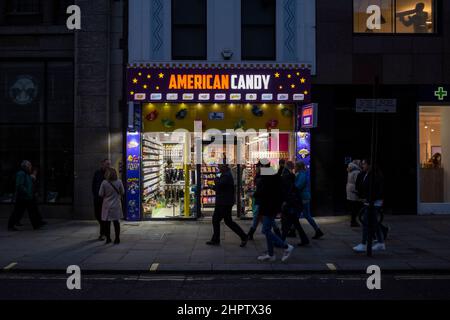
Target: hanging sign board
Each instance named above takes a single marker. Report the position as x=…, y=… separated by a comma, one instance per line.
x=308, y=115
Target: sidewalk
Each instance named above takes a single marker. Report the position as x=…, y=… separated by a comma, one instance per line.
x=415, y=244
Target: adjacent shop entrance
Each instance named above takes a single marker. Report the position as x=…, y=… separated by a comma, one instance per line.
x=434, y=159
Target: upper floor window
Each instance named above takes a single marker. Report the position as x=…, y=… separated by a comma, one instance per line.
x=24, y=6
x=189, y=30
x=258, y=41
x=34, y=12
x=394, y=16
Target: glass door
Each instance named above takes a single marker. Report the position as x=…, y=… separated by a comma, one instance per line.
x=434, y=160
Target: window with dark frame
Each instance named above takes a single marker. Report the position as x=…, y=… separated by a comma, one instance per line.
x=258, y=34
x=36, y=124
x=189, y=30
x=397, y=16
x=23, y=6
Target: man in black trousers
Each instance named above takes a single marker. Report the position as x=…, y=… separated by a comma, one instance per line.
x=225, y=199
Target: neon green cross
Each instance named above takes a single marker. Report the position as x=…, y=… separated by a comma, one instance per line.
x=441, y=93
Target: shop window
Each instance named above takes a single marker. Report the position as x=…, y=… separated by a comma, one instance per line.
x=397, y=16
x=434, y=150
x=258, y=22
x=36, y=123
x=21, y=92
x=189, y=30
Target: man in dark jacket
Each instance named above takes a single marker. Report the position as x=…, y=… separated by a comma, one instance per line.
x=363, y=187
x=291, y=205
x=225, y=199
x=24, y=198
x=99, y=176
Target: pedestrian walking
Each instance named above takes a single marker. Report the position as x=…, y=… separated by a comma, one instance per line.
x=302, y=184
x=353, y=201
x=257, y=218
x=111, y=191
x=99, y=176
x=364, y=186
x=24, y=199
x=269, y=195
x=225, y=199
x=291, y=205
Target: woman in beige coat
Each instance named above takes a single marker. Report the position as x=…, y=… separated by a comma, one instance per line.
x=111, y=190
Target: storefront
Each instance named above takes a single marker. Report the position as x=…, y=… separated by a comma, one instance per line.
x=183, y=121
x=433, y=135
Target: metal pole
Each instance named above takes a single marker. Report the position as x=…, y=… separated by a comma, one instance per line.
x=373, y=158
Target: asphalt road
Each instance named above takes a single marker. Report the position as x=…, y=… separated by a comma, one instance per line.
x=235, y=287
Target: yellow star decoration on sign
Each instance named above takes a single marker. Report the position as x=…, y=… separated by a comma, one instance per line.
x=145, y=86
x=277, y=75
x=281, y=87
x=306, y=92
x=302, y=80
x=132, y=92
x=140, y=73
x=157, y=87
x=293, y=86
x=161, y=75
x=135, y=80
x=289, y=76
x=298, y=73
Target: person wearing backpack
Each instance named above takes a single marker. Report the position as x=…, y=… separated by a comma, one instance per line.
x=111, y=190
x=302, y=184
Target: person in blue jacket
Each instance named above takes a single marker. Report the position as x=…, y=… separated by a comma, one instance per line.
x=302, y=185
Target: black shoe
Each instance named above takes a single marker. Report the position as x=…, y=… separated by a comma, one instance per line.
x=251, y=233
x=116, y=241
x=18, y=224
x=318, y=235
x=213, y=243
x=12, y=229
x=37, y=227
x=101, y=238
x=303, y=243
x=243, y=243
x=108, y=241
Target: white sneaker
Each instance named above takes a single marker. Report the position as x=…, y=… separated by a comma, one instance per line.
x=267, y=257
x=287, y=253
x=360, y=248
x=379, y=247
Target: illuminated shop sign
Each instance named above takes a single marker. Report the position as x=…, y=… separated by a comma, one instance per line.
x=219, y=85
x=308, y=116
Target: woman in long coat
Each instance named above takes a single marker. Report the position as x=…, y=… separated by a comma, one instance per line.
x=111, y=190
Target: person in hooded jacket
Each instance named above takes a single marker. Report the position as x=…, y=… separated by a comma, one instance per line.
x=269, y=196
x=291, y=205
x=353, y=201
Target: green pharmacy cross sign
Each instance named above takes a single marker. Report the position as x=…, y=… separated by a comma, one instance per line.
x=441, y=93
